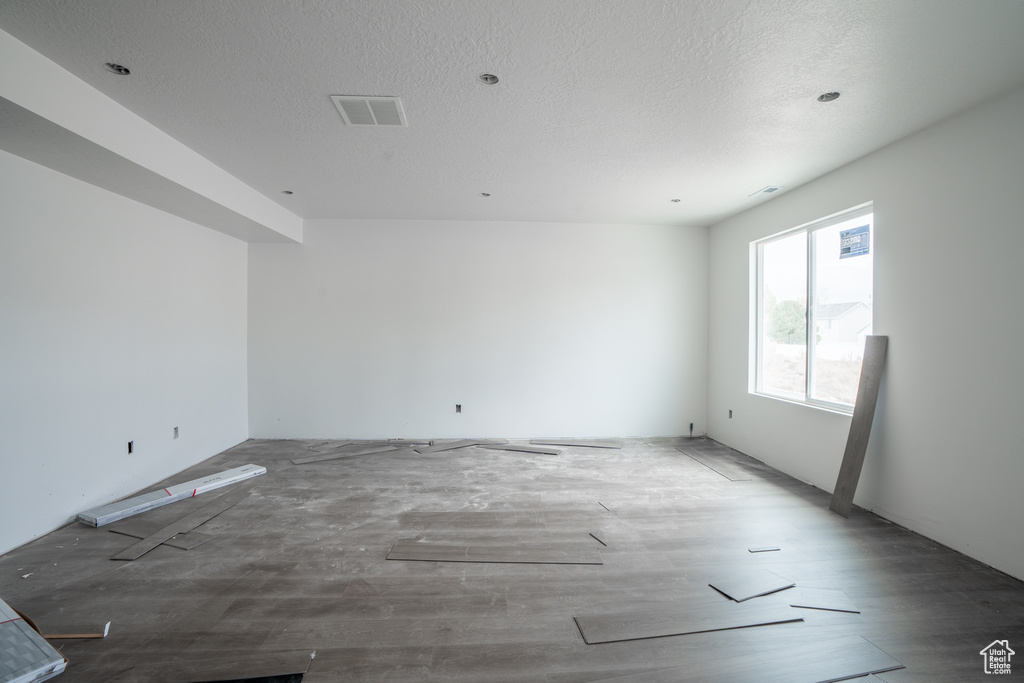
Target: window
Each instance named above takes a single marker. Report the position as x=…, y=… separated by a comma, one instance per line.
x=813, y=308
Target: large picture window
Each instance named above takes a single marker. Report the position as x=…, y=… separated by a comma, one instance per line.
x=813, y=308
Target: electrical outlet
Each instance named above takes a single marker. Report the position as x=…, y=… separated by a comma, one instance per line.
x=131, y=447
x=458, y=407
x=730, y=414
x=175, y=432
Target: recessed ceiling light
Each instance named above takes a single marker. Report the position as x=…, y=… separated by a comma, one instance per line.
x=828, y=97
x=115, y=68
x=485, y=194
x=676, y=201
x=487, y=79
x=287, y=192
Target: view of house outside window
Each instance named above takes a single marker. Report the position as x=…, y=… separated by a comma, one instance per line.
x=814, y=309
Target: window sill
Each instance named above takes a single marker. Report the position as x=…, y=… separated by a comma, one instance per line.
x=824, y=407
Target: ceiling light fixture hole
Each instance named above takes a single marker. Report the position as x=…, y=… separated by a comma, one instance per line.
x=287, y=192
x=115, y=68
x=676, y=201
x=828, y=97
x=487, y=79
x=485, y=194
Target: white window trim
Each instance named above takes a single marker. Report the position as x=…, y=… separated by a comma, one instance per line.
x=757, y=319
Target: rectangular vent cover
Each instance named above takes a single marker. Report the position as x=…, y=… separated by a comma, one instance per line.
x=370, y=111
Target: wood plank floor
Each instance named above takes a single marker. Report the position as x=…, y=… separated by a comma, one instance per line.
x=301, y=565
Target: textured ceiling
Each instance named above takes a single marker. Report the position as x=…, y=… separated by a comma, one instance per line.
x=606, y=110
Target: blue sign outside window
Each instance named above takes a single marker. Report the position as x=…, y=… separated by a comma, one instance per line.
x=854, y=242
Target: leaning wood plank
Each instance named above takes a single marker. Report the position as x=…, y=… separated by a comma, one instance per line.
x=822, y=661
x=583, y=443
x=823, y=599
x=860, y=425
x=410, y=549
x=182, y=526
x=141, y=529
x=720, y=616
x=522, y=449
x=750, y=584
x=346, y=453
x=719, y=464
x=68, y=632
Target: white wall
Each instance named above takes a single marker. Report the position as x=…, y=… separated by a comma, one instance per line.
x=117, y=322
x=946, y=456
x=378, y=328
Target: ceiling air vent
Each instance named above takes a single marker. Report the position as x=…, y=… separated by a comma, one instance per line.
x=771, y=189
x=370, y=111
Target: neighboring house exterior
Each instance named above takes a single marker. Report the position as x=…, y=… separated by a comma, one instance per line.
x=842, y=323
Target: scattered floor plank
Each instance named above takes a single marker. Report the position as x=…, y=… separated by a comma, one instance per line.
x=346, y=452
x=410, y=549
x=823, y=599
x=182, y=526
x=461, y=443
x=743, y=586
x=522, y=448
x=720, y=464
x=581, y=443
x=138, y=528
x=677, y=621
x=825, y=661
x=598, y=536
x=767, y=549
x=255, y=666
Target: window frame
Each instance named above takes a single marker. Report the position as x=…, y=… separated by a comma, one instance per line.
x=756, y=356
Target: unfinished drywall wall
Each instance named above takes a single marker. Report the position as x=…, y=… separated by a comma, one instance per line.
x=118, y=322
x=379, y=328
x=945, y=457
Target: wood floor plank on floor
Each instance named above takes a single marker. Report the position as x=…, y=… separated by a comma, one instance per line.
x=717, y=463
x=683, y=620
x=303, y=565
x=183, y=525
x=821, y=599
x=827, y=662
x=137, y=528
x=752, y=583
x=522, y=448
x=580, y=553
x=581, y=443
x=346, y=452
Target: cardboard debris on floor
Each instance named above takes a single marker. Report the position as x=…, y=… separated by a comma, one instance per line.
x=105, y=514
x=24, y=654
